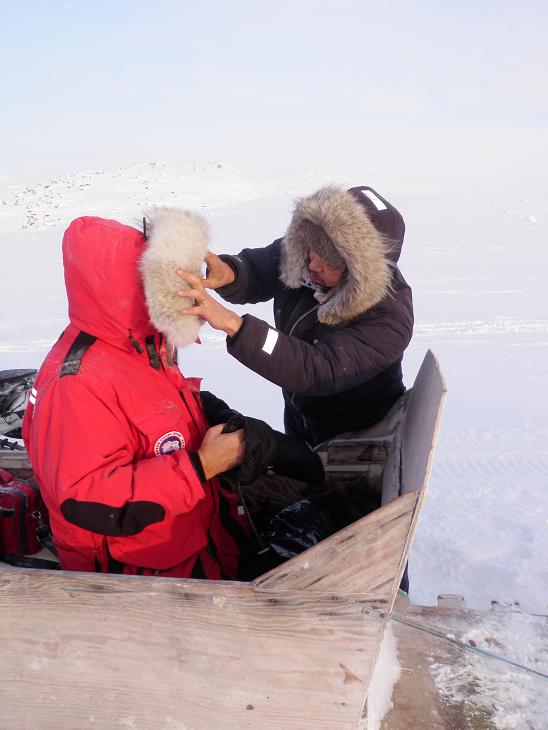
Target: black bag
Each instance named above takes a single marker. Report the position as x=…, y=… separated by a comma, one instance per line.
x=15, y=388
x=298, y=527
x=291, y=531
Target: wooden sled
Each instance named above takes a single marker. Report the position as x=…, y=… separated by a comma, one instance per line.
x=295, y=648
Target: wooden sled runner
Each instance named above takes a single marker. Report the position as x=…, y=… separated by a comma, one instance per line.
x=295, y=648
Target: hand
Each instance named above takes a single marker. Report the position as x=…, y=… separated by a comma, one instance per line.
x=221, y=451
x=218, y=272
x=207, y=308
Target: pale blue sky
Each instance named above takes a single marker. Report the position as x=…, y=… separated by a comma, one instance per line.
x=99, y=83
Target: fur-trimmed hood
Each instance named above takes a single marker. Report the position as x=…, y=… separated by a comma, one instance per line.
x=177, y=239
x=121, y=287
x=366, y=231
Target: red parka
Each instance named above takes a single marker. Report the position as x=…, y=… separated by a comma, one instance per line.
x=112, y=427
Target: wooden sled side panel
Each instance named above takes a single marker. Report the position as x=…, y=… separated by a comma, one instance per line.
x=420, y=427
x=87, y=651
x=367, y=556
x=419, y=435
x=296, y=648
x=363, y=558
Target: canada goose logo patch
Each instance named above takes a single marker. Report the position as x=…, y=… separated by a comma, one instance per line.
x=169, y=442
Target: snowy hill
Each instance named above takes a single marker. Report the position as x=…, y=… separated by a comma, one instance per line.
x=476, y=260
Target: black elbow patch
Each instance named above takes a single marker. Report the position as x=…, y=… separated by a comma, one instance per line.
x=104, y=519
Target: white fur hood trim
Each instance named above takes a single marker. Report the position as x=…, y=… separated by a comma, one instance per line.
x=177, y=239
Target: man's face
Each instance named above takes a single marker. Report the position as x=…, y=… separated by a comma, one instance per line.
x=321, y=272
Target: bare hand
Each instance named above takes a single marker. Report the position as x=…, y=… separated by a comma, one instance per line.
x=221, y=451
x=207, y=308
x=218, y=272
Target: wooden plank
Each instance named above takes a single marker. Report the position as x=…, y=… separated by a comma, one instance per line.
x=421, y=424
x=419, y=433
x=362, y=558
x=16, y=462
x=391, y=477
x=345, y=452
x=86, y=651
x=375, y=469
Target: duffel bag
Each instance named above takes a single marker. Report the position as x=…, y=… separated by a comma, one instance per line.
x=23, y=516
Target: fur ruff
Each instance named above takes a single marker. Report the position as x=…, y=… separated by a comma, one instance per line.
x=177, y=239
x=363, y=248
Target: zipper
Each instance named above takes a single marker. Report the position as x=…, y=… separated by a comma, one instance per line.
x=7, y=511
x=291, y=332
x=302, y=317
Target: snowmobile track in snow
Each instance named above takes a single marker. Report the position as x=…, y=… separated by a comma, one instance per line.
x=492, y=465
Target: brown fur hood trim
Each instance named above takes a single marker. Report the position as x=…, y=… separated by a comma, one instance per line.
x=177, y=239
x=365, y=250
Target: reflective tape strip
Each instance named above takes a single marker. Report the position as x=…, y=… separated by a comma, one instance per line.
x=377, y=202
x=270, y=342
x=32, y=399
x=34, y=392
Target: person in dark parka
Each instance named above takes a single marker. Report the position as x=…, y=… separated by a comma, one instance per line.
x=343, y=312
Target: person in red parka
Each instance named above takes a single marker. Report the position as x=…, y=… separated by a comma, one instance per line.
x=118, y=438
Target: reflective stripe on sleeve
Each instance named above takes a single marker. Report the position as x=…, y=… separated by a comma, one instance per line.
x=270, y=342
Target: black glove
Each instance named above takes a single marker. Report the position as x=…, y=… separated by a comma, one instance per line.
x=266, y=449
x=216, y=410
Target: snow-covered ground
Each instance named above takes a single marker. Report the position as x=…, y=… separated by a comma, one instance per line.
x=477, y=262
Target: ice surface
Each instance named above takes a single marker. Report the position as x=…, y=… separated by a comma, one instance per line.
x=513, y=698
x=387, y=673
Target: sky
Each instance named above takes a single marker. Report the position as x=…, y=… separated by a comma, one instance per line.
x=452, y=89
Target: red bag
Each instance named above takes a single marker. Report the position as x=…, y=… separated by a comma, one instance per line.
x=22, y=513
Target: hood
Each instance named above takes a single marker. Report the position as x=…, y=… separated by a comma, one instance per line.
x=121, y=286
x=104, y=289
x=366, y=231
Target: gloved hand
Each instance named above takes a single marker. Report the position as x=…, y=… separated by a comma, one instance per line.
x=216, y=410
x=266, y=449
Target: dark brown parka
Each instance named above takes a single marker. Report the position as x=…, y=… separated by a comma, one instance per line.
x=335, y=353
